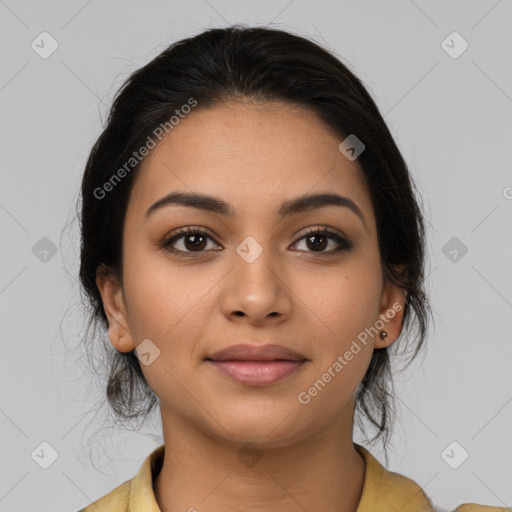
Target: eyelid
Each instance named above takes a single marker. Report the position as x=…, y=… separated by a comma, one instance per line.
x=319, y=228
x=342, y=241
x=180, y=232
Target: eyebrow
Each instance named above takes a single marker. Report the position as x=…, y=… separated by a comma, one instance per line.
x=289, y=207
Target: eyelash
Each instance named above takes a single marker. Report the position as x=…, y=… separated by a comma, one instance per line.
x=343, y=244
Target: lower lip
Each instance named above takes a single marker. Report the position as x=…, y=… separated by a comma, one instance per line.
x=257, y=373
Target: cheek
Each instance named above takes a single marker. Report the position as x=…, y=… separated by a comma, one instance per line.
x=342, y=305
x=164, y=298
x=343, y=309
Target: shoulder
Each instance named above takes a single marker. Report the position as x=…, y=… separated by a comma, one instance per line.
x=115, y=501
x=385, y=490
x=136, y=493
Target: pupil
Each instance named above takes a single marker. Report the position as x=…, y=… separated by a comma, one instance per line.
x=196, y=244
x=317, y=245
x=198, y=240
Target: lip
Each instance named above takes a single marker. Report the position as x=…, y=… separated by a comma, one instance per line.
x=251, y=352
x=257, y=365
x=257, y=373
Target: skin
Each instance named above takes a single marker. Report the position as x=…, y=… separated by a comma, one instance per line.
x=253, y=156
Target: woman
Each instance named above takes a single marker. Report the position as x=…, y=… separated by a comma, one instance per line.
x=250, y=234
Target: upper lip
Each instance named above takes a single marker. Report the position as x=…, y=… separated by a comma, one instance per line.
x=248, y=352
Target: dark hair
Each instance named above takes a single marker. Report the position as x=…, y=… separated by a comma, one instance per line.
x=255, y=64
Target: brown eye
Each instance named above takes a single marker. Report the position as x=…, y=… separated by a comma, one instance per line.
x=317, y=240
x=194, y=242
x=187, y=240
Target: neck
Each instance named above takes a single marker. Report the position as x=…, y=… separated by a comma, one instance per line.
x=199, y=472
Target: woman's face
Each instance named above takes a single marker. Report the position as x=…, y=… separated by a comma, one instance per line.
x=254, y=277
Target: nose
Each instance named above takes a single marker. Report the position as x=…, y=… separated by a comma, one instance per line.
x=256, y=291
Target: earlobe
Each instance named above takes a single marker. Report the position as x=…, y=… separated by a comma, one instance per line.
x=391, y=314
x=114, y=307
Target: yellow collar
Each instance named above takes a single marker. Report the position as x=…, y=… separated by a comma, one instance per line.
x=382, y=490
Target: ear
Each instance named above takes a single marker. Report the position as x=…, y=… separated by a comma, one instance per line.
x=114, y=306
x=391, y=312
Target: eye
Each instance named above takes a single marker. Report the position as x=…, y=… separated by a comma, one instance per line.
x=194, y=240
x=319, y=238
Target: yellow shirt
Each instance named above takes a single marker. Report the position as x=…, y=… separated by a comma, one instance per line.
x=383, y=491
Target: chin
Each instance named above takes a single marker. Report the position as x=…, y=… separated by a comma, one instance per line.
x=269, y=430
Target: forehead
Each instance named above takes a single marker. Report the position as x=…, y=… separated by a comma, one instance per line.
x=252, y=155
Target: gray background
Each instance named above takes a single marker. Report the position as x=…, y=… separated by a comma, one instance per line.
x=452, y=120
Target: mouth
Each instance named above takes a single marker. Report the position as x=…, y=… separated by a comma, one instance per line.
x=249, y=352
x=255, y=365
x=257, y=373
